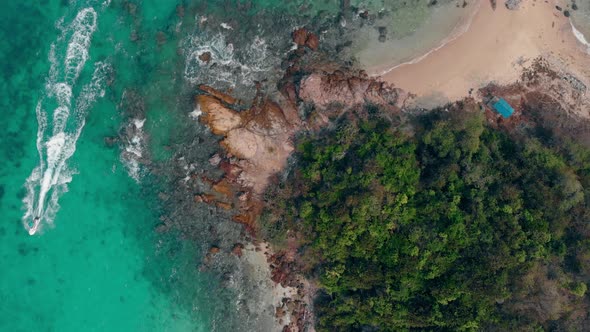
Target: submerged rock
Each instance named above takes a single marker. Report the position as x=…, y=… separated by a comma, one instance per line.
x=111, y=141
x=161, y=228
x=382, y=34
x=237, y=249
x=303, y=37
x=300, y=36
x=512, y=4
x=223, y=205
x=214, y=250
x=313, y=41
x=161, y=38
x=204, y=198
x=205, y=57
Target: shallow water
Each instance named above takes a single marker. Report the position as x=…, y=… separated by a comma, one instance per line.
x=95, y=263
x=413, y=32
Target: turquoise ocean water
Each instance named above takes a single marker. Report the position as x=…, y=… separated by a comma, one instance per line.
x=94, y=263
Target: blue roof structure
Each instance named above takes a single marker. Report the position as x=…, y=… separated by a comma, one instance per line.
x=502, y=107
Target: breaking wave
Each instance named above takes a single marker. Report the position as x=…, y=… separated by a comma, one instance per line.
x=580, y=37
x=132, y=155
x=228, y=66
x=61, y=115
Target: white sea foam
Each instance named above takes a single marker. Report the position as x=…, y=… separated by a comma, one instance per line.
x=230, y=68
x=133, y=151
x=196, y=113
x=83, y=27
x=580, y=37
x=56, y=139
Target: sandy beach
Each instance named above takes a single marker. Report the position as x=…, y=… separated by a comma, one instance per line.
x=443, y=23
x=495, y=47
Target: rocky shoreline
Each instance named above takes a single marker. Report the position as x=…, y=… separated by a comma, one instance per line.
x=257, y=142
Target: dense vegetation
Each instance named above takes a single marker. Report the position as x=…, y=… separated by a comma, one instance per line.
x=449, y=226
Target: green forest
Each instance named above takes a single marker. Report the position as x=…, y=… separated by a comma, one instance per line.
x=440, y=224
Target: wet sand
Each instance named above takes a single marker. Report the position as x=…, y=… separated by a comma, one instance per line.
x=495, y=47
x=444, y=23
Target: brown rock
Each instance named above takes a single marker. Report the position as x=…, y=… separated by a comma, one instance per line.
x=223, y=205
x=290, y=91
x=218, y=94
x=247, y=220
x=244, y=197
x=215, y=159
x=279, y=312
x=313, y=41
x=214, y=250
x=205, y=57
x=345, y=88
x=205, y=198
x=337, y=75
x=237, y=249
x=224, y=188
x=232, y=172
x=219, y=118
x=300, y=36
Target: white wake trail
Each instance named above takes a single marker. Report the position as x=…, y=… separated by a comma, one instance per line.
x=61, y=118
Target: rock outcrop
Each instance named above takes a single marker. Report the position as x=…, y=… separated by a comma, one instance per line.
x=302, y=37
x=257, y=141
x=259, y=138
x=205, y=57
x=348, y=89
x=512, y=4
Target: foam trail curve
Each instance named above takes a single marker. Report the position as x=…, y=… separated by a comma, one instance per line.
x=61, y=117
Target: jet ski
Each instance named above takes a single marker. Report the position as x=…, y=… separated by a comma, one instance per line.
x=36, y=222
